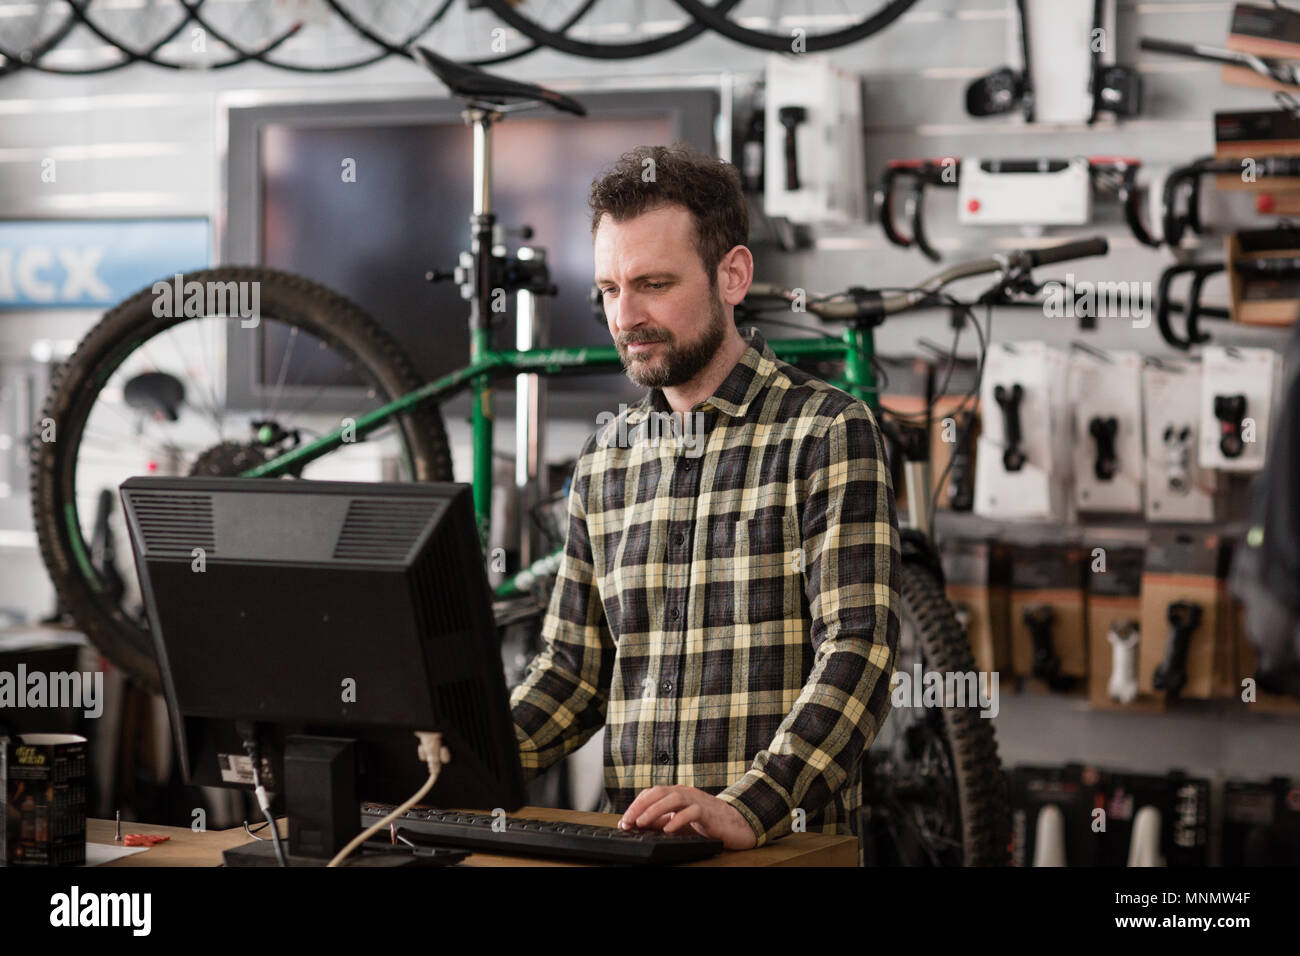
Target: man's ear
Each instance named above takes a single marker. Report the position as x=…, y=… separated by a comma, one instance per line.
x=735, y=274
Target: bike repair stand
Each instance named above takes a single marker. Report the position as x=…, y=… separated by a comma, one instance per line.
x=486, y=275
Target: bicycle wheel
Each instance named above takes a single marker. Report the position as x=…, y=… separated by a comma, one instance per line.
x=31, y=28
x=775, y=24
x=933, y=789
x=145, y=394
x=554, y=25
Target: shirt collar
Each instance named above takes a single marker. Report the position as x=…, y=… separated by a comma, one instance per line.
x=733, y=395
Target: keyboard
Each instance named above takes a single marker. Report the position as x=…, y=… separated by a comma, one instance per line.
x=521, y=837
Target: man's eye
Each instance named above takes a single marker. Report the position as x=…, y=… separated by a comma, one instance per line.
x=605, y=292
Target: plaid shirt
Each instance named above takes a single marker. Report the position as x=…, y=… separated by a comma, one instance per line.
x=727, y=602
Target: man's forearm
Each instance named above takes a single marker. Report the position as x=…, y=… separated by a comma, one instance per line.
x=838, y=714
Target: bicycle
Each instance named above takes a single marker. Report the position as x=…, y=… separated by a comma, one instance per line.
x=933, y=776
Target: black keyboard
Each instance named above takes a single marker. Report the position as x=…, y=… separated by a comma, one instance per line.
x=573, y=841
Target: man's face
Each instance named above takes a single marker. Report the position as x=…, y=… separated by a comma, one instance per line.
x=665, y=316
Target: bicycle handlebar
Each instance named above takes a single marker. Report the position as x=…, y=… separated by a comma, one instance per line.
x=858, y=304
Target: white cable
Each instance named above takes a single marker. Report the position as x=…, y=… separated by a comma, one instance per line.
x=434, y=754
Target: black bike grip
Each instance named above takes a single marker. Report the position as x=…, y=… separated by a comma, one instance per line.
x=1078, y=249
x=1156, y=45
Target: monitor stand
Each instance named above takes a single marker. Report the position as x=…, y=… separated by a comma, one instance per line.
x=320, y=789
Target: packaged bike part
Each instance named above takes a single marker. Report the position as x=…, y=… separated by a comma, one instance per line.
x=1106, y=394
x=953, y=437
x=1271, y=31
x=1114, y=611
x=1075, y=791
x=1177, y=487
x=1254, y=134
x=1023, y=451
x=1182, y=805
x=1049, y=643
x=1023, y=192
x=45, y=800
x=1185, y=625
x=812, y=128
x=1238, y=387
x=1261, y=823
x=1264, y=275
x=977, y=576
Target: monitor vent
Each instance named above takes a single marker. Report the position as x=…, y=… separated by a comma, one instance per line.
x=174, y=523
x=462, y=705
x=382, y=530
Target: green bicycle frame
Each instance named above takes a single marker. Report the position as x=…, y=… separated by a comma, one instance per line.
x=855, y=346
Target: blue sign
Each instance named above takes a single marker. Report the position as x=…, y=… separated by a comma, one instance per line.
x=94, y=263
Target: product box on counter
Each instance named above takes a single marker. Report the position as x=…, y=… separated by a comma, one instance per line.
x=45, y=799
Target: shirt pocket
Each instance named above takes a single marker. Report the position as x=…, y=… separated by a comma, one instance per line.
x=766, y=566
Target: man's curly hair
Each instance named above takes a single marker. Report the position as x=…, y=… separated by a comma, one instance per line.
x=649, y=177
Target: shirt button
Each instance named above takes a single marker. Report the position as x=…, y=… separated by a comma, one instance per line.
x=672, y=614
x=664, y=756
x=666, y=687
x=679, y=538
x=688, y=464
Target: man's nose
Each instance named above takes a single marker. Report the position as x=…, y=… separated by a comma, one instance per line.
x=627, y=313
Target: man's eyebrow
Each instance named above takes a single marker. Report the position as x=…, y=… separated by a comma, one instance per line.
x=644, y=277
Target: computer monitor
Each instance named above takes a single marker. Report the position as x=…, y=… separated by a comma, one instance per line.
x=309, y=611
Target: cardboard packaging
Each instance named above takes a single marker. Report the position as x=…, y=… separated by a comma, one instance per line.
x=1187, y=569
x=1071, y=791
x=952, y=454
x=45, y=800
x=1262, y=278
x=977, y=575
x=1048, y=580
x=1115, y=606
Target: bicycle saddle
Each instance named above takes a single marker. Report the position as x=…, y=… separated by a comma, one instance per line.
x=473, y=84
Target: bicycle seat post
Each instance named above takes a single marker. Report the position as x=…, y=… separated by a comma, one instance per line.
x=482, y=221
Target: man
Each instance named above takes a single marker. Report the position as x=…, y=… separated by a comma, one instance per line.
x=726, y=603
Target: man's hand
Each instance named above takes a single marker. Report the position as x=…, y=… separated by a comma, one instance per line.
x=675, y=808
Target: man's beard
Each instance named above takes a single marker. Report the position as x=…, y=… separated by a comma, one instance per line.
x=676, y=364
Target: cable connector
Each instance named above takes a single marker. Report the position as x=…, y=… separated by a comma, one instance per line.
x=432, y=751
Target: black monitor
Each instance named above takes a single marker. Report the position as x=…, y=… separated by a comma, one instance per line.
x=303, y=611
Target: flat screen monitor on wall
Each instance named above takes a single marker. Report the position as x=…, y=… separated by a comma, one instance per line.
x=402, y=209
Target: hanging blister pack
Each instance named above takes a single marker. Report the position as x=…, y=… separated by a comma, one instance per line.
x=1177, y=487
x=1105, y=390
x=1238, y=387
x=1016, y=192
x=1022, y=458
x=813, y=142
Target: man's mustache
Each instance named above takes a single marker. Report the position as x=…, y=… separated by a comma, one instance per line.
x=624, y=342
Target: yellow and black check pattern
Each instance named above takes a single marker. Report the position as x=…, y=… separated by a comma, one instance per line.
x=728, y=610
